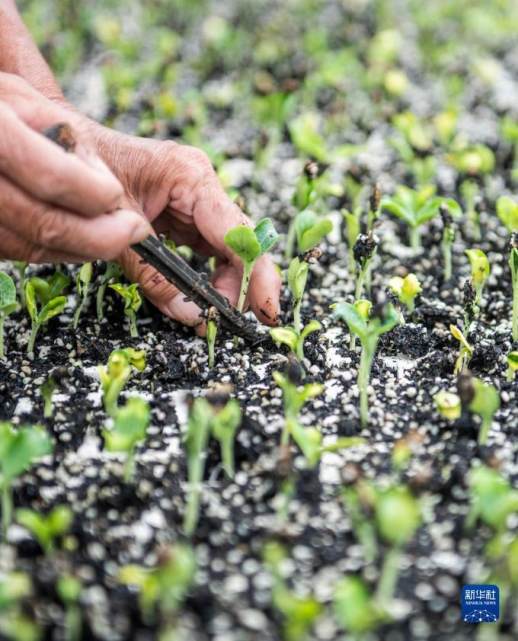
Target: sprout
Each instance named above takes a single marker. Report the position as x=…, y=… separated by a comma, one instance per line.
x=69, y=590
x=448, y=236
x=353, y=229
x=368, y=329
x=8, y=305
x=298, y=613
x=507, y=211
x=212, y=332
x=224, y=425
x=165, y=586
x=250, y=244
x=47, y=389
x=46, y=528
x=295, y=396
x=112, y=271
x=132, y=302
x=19, y=449
x=485, y=403
x=310, y=231
x=293, y=339
x=83, y=281
x=129, y=429
x=14, y=624
x=465, y=350
x=448, y=404
x=493, y=499
x=473, y=161
x=398, y=515
x=416, y=208
x=196, y=439
x=44, y=300
x=355, y=608
x=471, y=196
x=364, y=250
x=406, y=289
x=513, y=264
x=21, y=268
x=116, y=373
x=512, y=365
x=374, y=207
x=480, y=271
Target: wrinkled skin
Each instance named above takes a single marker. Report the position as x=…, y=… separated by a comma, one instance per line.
x=112, y=192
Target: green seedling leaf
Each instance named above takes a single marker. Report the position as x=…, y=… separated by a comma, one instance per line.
x=310, y=229
x=354, y=316
x=14, y=586
x=132, y=303
x=19, y=448
x=243, y=242
x=507, y=211
x=224, y=426
x=485, y=403
x=297, y=277
x=46, y=528
x=53, y=308
x=480, y=268
x=7, y=295
x=398, y=515
x=492, y=497
x=306, y=138
x=512, y=365
x=309, y=440
x=406, y=289
x=285, y=336
x=354, y=607
x=266, y=235
x=116, y=373
x=129, y=426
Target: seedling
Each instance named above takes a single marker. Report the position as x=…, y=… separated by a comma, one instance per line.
x=493, y=499
x=112, y=271
x=212, y=332
x=15, y=587
x=8, y=305
x=355, y=608
x=308, y=229
x=298, y=613
x=480, y=271
x=295, y=396
x=465, y=350
x=224, y=425
x=470, y=193
x=513, y=263
x=472, y=160
x=507, y=211
x=353, y=229
x=46, y=528
x=83, y=285
x=406, y=289
x=196, y=439
x=69, y=590
x=448, y=237
x=485, y=403
x=21, y=268
x=448, y=405
x=512, y=365
x=132, y=303
x=293, y=339
x=44, y=300
x=19, y=449
x=129, y=429
x=398, y=515
x=250, y=244
x=164, y=587
x=369, y=329
x=374, y=207
x=116, y=373
x=364, y=250
x=416, y=207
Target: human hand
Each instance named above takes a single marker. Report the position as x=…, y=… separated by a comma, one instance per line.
x=53, y=205
x=177, y=189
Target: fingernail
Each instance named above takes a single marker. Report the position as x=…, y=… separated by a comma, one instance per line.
x=140, y=230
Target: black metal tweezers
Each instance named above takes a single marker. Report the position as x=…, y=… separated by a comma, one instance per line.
x=196, y=287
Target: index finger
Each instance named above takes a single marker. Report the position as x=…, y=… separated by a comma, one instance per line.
x=44, y=170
